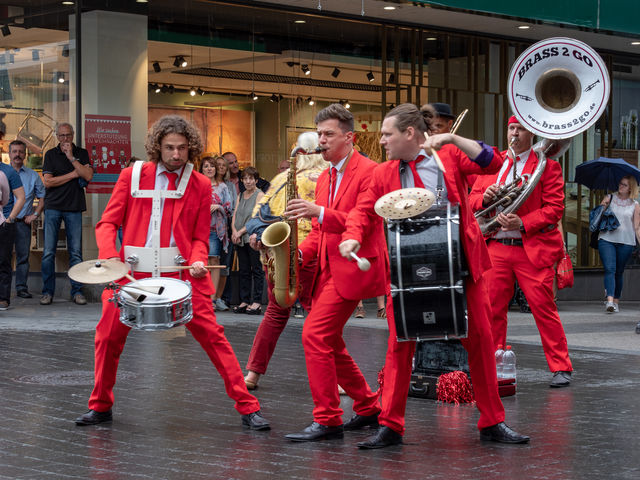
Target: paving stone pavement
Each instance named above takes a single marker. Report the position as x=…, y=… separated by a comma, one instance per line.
x=173, y=420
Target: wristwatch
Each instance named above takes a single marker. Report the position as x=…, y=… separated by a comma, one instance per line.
x=36, y=214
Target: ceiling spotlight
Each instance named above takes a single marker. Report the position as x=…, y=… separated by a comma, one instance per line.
x=336, y=72
x=431, y=39
x=305, y=69
x=176, y=62
x=299, y=21
x=347, y=105
x=201, y=92
x=310, y=101
x=389, y=7
x=35, y=55
x=524, y=27
x=193, y=91
x=635, y=43
x=6, y=31
x=164, y=89
x=67, y=2
x=183, y=62
x=254, y=96
x=290, y=64
x=370, y=76
x=180, y=62
x=60, y=77
x=274, y=98
x=156, y=88
x=156, y=67
x=392, y=78
x=172, y=89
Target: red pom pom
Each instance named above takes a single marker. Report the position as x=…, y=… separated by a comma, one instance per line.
x=380, y=381
x=364, y=126
x=455, y=388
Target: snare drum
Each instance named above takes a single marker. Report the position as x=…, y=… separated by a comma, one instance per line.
x=152, y=311
x=427, y=275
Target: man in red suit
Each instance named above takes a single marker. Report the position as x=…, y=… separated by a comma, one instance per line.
x=402, y=137
x=526, y=248
x=182, y=224
x=338, y=284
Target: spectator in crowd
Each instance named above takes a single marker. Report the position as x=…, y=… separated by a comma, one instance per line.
x=234, y=169
x=33, y=188
x=248, y=259
x=360, y=312
x=10, y=210
x=66, y=169
x=222, y=296
x=220, y=213
x=616, y=246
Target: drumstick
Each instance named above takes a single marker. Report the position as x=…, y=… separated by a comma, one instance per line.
x=363, y=263
x=187, y=267
x=150, y=289
x=435, y=155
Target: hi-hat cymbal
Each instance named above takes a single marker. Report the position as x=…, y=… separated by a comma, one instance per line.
x=98, y=271
x=404, y=203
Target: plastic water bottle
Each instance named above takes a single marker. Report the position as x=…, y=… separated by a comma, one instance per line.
x=499, y=359
x=509, y=363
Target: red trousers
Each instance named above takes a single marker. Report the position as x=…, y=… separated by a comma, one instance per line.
x=510, y=263
x=111, y=336
x=275, y=319
x=482, y=364
x=327, y=358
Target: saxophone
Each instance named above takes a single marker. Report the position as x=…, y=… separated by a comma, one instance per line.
x=281, y=238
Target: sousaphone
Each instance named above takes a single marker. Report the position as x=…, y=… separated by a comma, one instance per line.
x=557, y=88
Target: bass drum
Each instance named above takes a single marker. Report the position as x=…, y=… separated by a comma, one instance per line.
x=427, y=275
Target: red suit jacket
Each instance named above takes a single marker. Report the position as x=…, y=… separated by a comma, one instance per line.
x=191, y=220
x=386, y=178
x=540, y=213
x=324, y=238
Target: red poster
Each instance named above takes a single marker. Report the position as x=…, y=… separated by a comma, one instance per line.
x=108, y=140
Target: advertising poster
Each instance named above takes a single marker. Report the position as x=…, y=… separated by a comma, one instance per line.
x=107, y=138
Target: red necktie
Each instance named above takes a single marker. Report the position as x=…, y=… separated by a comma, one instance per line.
x=417, y=181
x=503, y=180
x=332, y=185
x=167, y=212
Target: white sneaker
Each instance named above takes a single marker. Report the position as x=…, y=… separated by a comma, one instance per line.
x=616, y=308
x=611, y=307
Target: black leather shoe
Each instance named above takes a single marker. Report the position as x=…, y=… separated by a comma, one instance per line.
x=255, y=421
x=501, y=433
x=93, y=418
x=560, y=379
x=315, y=432
x=360, y=421
x=384, y=437
x=24, y=294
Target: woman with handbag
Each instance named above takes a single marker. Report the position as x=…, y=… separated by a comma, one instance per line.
x=615, y=246
x=248, y=259
x=220, y=212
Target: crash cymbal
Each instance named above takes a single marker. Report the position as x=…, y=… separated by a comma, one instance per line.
x=98, y=271
x=404, y=203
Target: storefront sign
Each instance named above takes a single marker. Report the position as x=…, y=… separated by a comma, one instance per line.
x=108, y=140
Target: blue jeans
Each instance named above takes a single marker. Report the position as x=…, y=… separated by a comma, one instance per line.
x=614, y=257
x=73, y=227
x=22, y=246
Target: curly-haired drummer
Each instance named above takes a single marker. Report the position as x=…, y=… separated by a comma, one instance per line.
x=158, y=225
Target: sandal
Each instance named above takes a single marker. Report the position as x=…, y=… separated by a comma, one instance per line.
x=239, y=309
x=382, y=313
x=359, y=313
x=254, y=311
